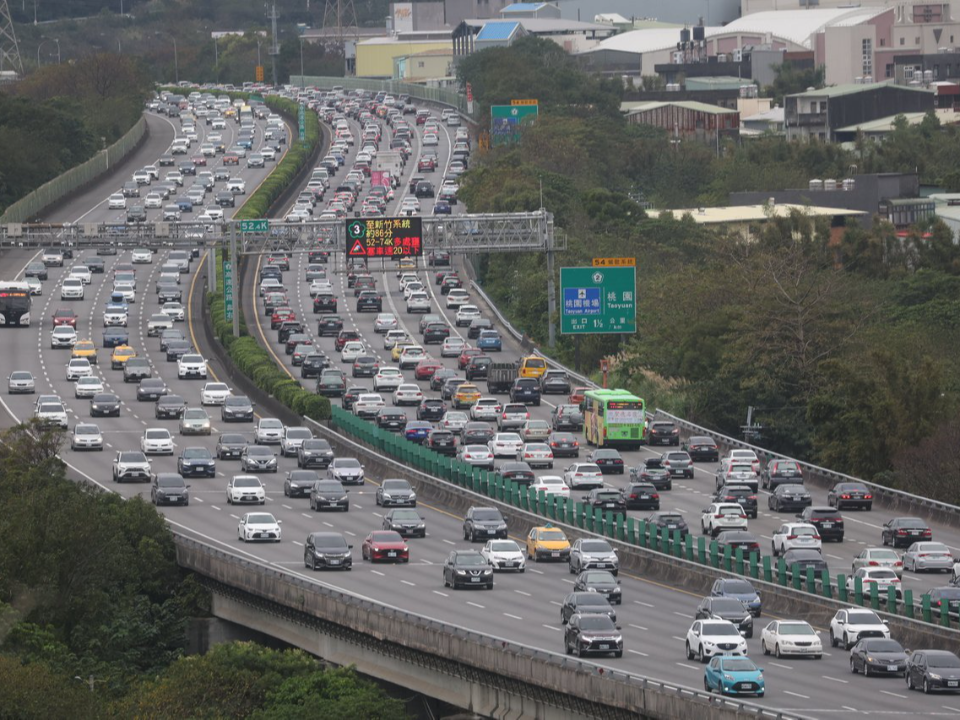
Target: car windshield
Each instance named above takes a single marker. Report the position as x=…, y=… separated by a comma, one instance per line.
x=727, y=605
x=233, y=439
x=882, y=646
x=255, y=450
x=21, y=375
x=217, y=387
x=863, y=618
x=131, y=457
x=347, y=463
x=738, y=665
x=796, y=629
x=297, y=433
x=195, y=414
x=246, y=482
x=406, y=516
x=395, y=485
x=720, y=629
x=486, y=515
x=599, y=577
x=596, y=546
x=86, y=430
x=945, y=660
x=504, y=546
x=261, y=519
x=597, y=622
x=169, y=482
x=196, y=453
x=948, y=593
x=738, y=586
x=471, y=560
x=158, y=435
x=271, y=424
x=332, y=543
x=552, y=536
x=237, y=402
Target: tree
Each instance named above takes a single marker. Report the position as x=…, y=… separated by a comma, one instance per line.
x=32, y=692
x=790, y=78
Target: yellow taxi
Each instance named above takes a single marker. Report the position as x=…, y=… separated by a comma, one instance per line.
x=121, y=353
x=466, y=395
x=532, y=367
x=86, y=349
x=548, y=543
x=399, y=348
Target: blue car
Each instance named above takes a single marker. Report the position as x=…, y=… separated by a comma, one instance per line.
x=185, y=204
x=441, y=207
x=741, y=590
x=730, y=675
x=417, y=430
x=489, y=340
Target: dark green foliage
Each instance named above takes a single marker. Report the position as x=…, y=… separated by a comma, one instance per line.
x=792, y=79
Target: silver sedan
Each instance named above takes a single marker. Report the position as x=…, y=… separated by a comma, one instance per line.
x=927, y=556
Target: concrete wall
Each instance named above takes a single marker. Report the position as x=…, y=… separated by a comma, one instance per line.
x=375, y=59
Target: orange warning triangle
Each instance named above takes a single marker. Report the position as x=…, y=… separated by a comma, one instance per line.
x=358, y=248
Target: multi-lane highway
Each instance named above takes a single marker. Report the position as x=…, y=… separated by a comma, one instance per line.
x=525, y=607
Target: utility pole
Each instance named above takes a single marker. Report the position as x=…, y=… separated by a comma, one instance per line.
x=274, y=45
x=551, y=289
x=9, y=49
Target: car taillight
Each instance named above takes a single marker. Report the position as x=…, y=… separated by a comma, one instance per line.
x=844, y=497
x=927, y=532
x=868, y=497
x=718, y=517
x=898, y=564
x=576, y=443
x=752, y=497
x=675, y=431
x=901, y=532
x=743, y=517
x=655, y=496
x=815, y=537
x=792, y=537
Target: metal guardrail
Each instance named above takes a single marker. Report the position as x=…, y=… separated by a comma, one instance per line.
x=878, y=490
x=76, y=177
x=499, y=644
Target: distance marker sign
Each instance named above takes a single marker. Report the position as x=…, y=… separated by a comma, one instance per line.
x=385, y=237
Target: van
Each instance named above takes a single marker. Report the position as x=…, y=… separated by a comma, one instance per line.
x=532, y=367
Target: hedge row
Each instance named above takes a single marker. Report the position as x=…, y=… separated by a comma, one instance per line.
x=257, y=364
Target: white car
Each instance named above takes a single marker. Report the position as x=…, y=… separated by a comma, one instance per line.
x=466, y=314
x=393, y=337
x=551, y=485
x=744, y=456
x=707, y=638
x=385, y=322
x=476, y=455
x=388, y=378
x=505, y=444
x=117, y=202
x=214, y=393
x=153, y=200
x=879, y=578
x=418, y=302
x=791, y=637
x=78, y=368
x=173, y=310
x=368, y=405
x=127, y=289
x=268, y=432
x=405, y=394
x=453, y=420
x=408, y=278
x=173, y=176
x=63, y=336
x=292, y=439
x=172, y=213
x=722, y=516
x=486, y=408
x=156, y=441
x=319, y=287
x=878, y=557
x=504, y=555
x=157, y=323
x=258, y=526
x=536, y=454
x=581, y=476
x=351, y=351
x=36, y=287
x=412, y=287
x=116, y=315
x=88, y=386
x=847, y=625
x=192, y=366
x=51, y=413
x=86, y=436
x=793, y=536
x=236, y=185
x=271, y=284
x=411, y=356
x=457, y=297
x=141, y=256
x=245, y=489
x=452, y=347
x=71, y=289
x=82, y=272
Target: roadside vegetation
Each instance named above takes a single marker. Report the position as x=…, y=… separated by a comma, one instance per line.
x=839, y=338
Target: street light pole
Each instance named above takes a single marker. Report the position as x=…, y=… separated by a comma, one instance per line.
x=216, y=58
x=57, y=41
x=301, y=63
x=38, y=51
x=176, y=61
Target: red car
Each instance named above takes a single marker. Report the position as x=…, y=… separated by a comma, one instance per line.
x=466, y=355
x=64, y=316
x=280, y=315
x=426, y=165
x=426, y=368
x=385, y=545
x=576, y=396
x=199, y=160
x=231, y=159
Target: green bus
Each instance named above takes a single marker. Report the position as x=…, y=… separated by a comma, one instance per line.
x=614, y=418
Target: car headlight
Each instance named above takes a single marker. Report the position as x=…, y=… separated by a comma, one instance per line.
x=488, y=572
x=935, y=676
x=502, y=526
x=461, y=572
x=728, y=677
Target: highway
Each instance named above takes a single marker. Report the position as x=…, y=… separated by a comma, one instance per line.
x=525, y=607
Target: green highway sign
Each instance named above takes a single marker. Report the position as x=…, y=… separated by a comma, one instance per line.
x=302, y=120
x=227, y=290
x=506, y=122
x=260, y=225
x=598, y=300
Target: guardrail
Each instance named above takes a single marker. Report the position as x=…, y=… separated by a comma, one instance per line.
x=501, y=656
x=51, y=191
x=921, y=505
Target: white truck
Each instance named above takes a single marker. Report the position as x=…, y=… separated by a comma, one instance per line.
x=390, y=162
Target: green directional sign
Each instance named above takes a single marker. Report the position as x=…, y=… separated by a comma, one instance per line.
x=598, y=300
x=302, y=120
x=227, y=290
x=507, y=121
x=260, y=225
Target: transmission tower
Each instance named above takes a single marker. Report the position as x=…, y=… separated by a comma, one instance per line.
x=340, y=27
x=9, y=49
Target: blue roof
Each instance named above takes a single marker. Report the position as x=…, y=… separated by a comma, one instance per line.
x=497, y=31
x=523, y=7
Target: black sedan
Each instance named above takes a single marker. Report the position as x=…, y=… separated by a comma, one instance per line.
x=931, y=670
x=609, y=461
x=789, y=498
x=805, y=559
x=431, y=409
x=878, y=656
x=740, y=494
x=563, y=444
x=150, y=389
x=236, y=408
x=738, y=539
x=299, y=483
x=602, y=582
x=230, y=446
x=702, y=449
x=654, y=473
x=169, y=407
x=314, y=452
x=105, y=405
x=585, y=602
x=729, y=609
x=904, y=531
x=476, y=433
x=845, y=495
x=671, y=522
x=196, y=461
x=641, y=496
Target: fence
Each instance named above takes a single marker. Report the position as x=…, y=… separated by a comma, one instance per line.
x=50, y=192
x=394, y=87
x=617, y=526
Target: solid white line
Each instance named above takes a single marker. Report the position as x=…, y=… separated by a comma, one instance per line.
x=805, y=697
